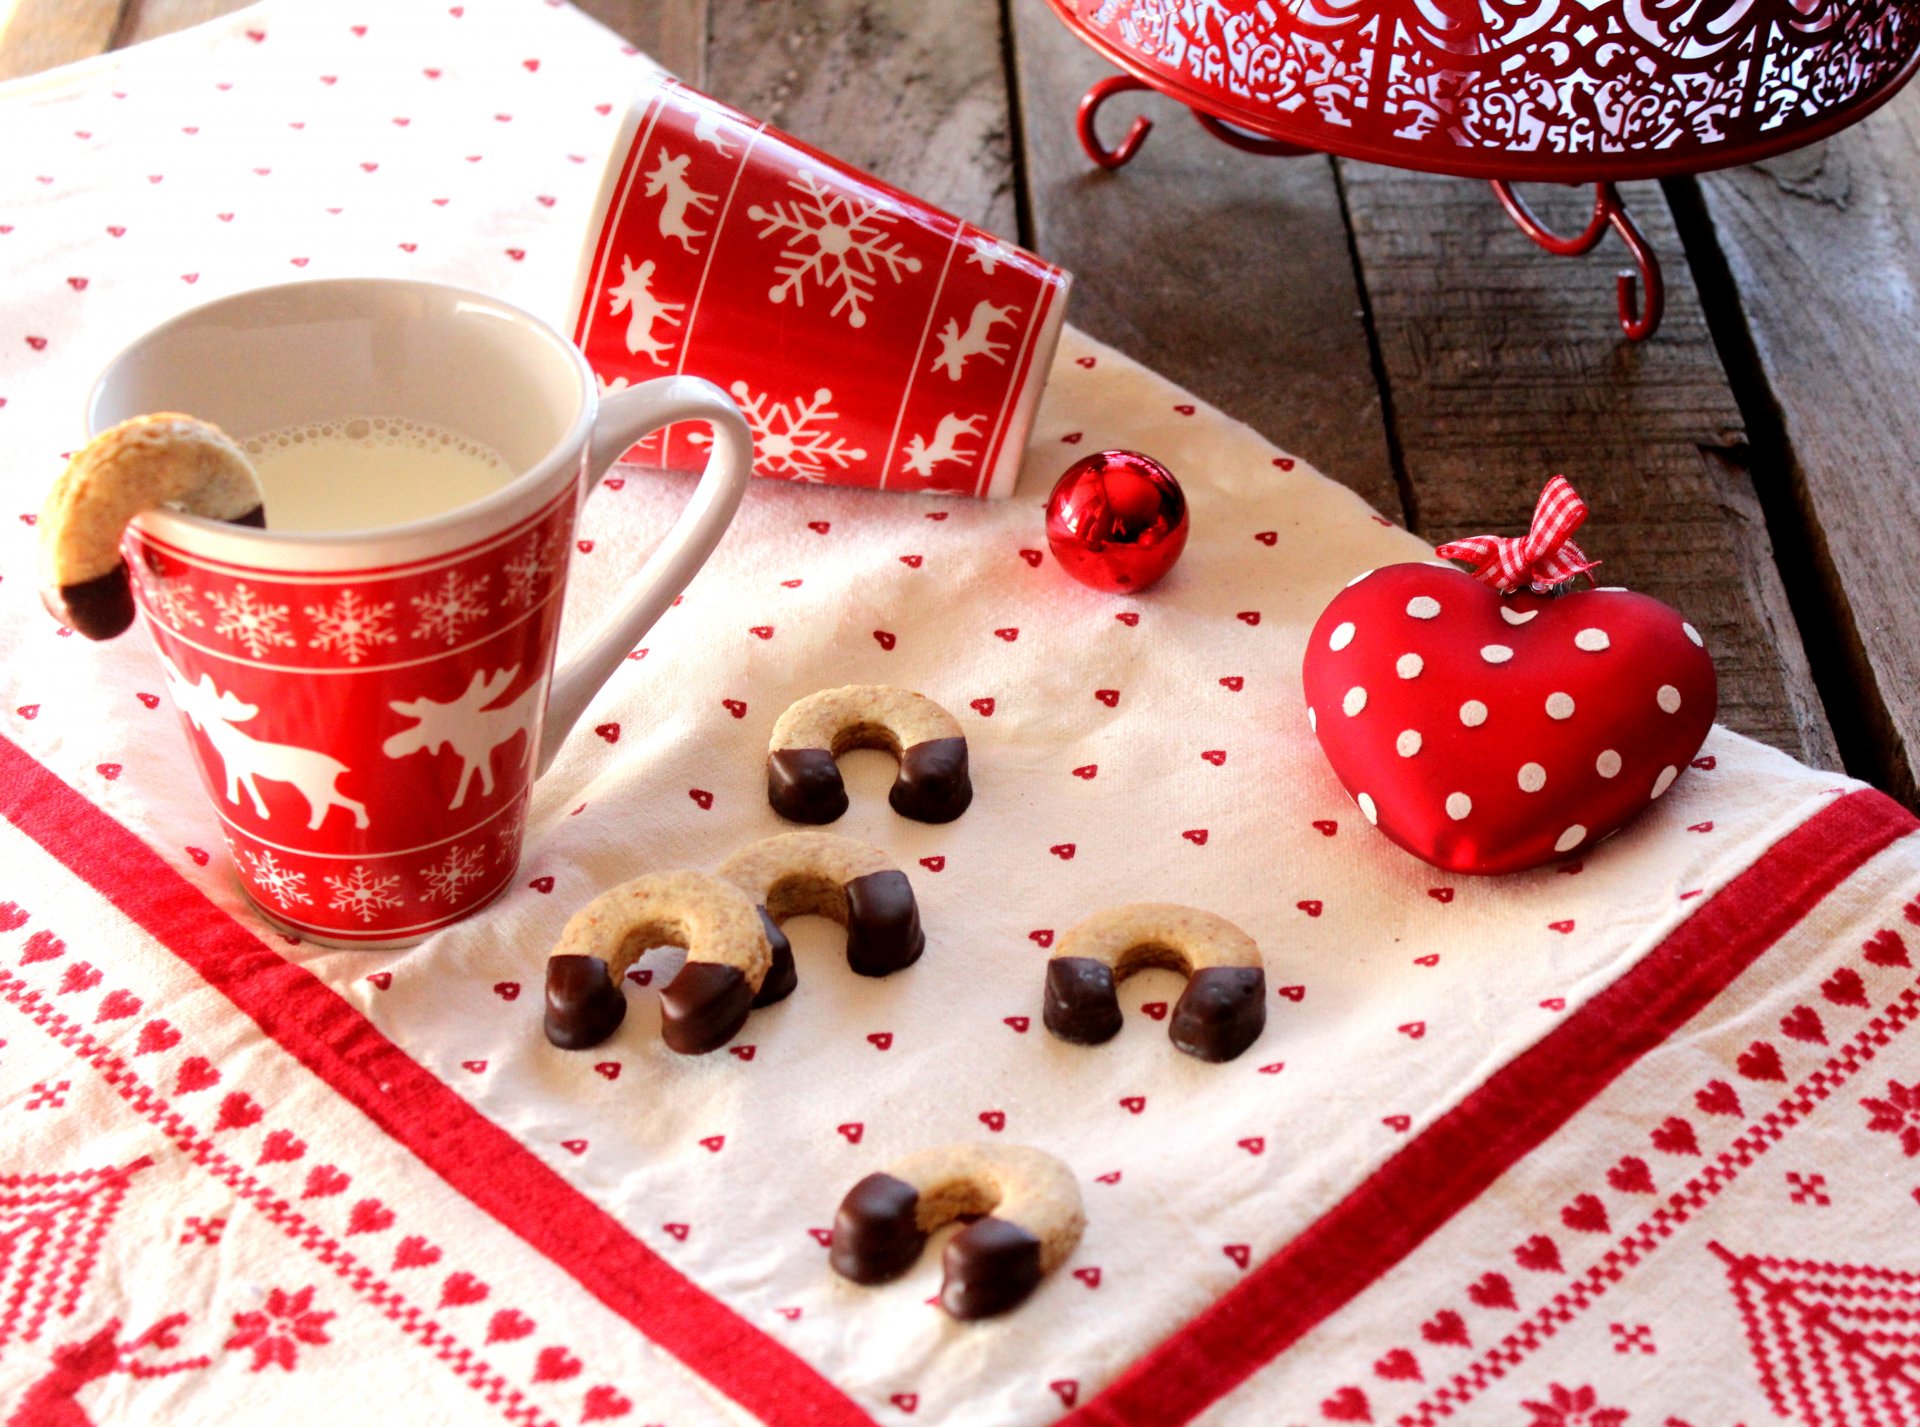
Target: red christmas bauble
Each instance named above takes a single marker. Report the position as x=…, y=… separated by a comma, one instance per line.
x=1490, y=733
x=1117, y=521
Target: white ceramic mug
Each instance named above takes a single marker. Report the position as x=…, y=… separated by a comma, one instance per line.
x=369, y=708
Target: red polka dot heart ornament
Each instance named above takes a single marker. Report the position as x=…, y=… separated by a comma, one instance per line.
x=1488, y=726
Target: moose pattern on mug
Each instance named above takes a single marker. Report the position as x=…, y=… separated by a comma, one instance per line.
x=368, y=738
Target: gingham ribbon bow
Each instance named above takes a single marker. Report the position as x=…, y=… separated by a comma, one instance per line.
x=1544, y=557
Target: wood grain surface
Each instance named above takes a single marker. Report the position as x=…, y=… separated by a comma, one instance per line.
x=1823, y=249
x=1395, y=330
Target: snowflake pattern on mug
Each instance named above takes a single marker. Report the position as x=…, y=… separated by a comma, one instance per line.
x=449, y=607
x=793, y=440
x=834, y=241
x=351, y=626
x=278, y=881
x=251, y=622
x=362, y=894
x=449, y=877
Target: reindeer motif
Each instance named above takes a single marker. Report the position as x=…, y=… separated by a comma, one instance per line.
x=922, y=457
x=247, y=759
x=54, y=1399
x=669, y=176
x=957, y=346
x=635, y=293
x=469, y=726
x=706, y=127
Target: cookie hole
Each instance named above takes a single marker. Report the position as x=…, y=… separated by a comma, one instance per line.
x=1151, y=956
x=807, y=894
x=866, y=735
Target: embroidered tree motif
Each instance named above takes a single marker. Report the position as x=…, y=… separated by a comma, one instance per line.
x=51, y=1226
x=447, y=609
x=250, y=622
x=283, y=884
x=360, y=893
x=792, y=440
x=351, y=627
x=276, y=1333
x=1898, y=1114
x=833, y=240
x=1573, y=1407
x=450, y=876
x=1835, y=1345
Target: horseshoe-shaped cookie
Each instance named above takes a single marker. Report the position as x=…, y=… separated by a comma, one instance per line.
x=704, y=1006
x=823, y=874
x=1223, y=1009
x=803, y=781
x=163, y=459
x=1033, y=1221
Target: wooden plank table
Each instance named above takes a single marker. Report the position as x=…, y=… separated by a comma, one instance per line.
x=1749, y=464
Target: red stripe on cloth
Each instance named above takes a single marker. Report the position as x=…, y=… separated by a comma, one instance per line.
x=1453, y=1162
x=473, y=1155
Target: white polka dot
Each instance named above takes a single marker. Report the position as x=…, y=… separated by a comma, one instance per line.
x=1664, y=781
x=1559, y=705
x=1693, y=634
x=1408, y=743
x=1515, y=616
x=1313, y=719
x=1423, y=606
x=1592, y=640
x=1668, y=698
x=1532, y=777
x=1570, y=839
x=1473, y=713
x=1366, y=807
x=1358, y=578
x=1458, y=805
x=1408, y=666
x=1607, y=765
x=1495, y=653
x=1341, y=637
x=1355, y=700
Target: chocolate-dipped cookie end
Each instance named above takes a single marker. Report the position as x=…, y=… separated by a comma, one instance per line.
x=584, y=1004
x=704, y=1007
x=883, y=924
x=1222, y=1012
x=1080, y=1003
x=804, y=785
x=991, y=1266
x=933, y=785
x=876, y=1235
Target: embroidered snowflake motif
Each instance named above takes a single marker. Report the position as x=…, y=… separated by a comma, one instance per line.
x=528, y=570
x=351, y=627
x=452, y=605
x=275, y=1334
x=169, y=597
x=249, y=621
x=1898, y=1114
x=283, y=884
x=449, y=877
x=791, y=439
x=1573, y=1407
x=833, y=240
x=362, y=894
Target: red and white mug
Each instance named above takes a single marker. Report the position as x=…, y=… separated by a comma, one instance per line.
x=871, y=339
x=369, y=708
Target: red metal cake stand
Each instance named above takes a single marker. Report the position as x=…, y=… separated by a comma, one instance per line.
x=1568, y=91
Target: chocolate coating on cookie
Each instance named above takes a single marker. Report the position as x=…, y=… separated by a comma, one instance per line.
x=1081, y=1003
x=991, y=1267
x=1222, y=1012
x=804, y=785
x=704, y=1007
x=149, y=462
x=883, y=924
x=933, y=785
x=584, y=1004
x=781, y=975
x=876, y=1234
x=1223, y=1009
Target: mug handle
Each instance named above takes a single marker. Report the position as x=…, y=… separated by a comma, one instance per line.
x=625, y=418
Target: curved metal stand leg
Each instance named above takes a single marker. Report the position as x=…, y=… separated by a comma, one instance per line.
x=1638, y=321
x=1090, y=103
x=1248, y=143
